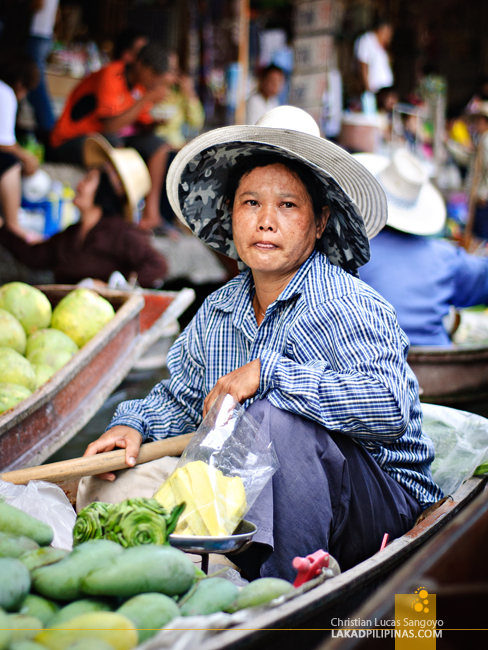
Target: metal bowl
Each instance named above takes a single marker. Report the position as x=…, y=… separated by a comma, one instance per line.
x=240, y=539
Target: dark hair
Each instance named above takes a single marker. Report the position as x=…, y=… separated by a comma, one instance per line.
x=19, y=68
x=107, y=198
x=382, y=21
x=314, y=187
x=154, y=56
x=125, y=41
x=271, y=68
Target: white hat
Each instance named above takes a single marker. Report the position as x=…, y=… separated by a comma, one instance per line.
x=198, y=177
x=414, y=204
x=129, y=165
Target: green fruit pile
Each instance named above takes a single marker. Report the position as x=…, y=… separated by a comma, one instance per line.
x=102, y=596
x=36, y=341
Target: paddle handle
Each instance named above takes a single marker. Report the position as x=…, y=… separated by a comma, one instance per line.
x=109, y=461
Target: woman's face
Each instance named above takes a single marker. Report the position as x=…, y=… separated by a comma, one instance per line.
x=86, y=190
x=273, y=223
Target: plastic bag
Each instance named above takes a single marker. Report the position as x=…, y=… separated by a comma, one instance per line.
x=221, y=472
x=461, y=444
x=46, y=502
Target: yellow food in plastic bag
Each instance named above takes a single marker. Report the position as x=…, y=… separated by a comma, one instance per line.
x=215, y=504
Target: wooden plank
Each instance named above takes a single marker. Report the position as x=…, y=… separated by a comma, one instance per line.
x=111, y=461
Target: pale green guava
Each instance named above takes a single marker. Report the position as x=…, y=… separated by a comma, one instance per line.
x=29, y=305
x=12, y=333
x=82, y=314
x=50, y=339
x=11, y=394
x=15, y=369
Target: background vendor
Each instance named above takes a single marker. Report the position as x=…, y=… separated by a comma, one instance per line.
x=421, y=276
x=315, y=355
x=116, y=102
x=105, y=239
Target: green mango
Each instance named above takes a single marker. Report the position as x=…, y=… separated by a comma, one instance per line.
x=62, y=580
x=5, y=631
x=16, y=545
x=24, y=628
x=16, y=522
x=210, y=595
x=39, y=607
x=15, y=583
x=142, y=569
x=259, y=592
x=42, y=557
x=149, y=613
x=78, y=607
x=27, y=645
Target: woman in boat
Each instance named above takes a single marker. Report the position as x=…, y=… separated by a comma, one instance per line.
x=103, y=241
x=421, y=276
x=316, y=356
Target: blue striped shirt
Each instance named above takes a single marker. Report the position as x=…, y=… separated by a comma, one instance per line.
x=331, y=350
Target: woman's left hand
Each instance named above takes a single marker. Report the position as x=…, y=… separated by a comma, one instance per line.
x=241, y=384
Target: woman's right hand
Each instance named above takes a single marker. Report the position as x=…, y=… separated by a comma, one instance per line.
x=119, y=436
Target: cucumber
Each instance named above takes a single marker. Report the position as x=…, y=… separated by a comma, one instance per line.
x=211, y=595
x=142, y=569
x=42, y=557
x=5, y=631
x=24, y=628
x=79, y=607
x=39, y=607
x=62, y=580
x=149, y=613
x=15, y=583
x=16, y=522
x=16, y=545
x=259, y=592
x=115, y=629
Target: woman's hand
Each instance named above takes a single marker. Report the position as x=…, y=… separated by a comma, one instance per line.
x=241, y=384
x=119, y=436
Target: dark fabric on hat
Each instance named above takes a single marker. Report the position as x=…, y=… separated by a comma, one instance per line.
x=202, y=201
x=328, y=493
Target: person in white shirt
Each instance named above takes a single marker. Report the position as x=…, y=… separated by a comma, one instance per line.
x=370, y=51
x=266, y=98
x=39, y=46
x=18, y=75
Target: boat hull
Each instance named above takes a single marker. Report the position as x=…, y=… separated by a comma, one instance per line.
x=312, y=612
x=450, y=375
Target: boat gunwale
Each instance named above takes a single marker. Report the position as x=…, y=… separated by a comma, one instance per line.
x=447, y=354
x=132, y=304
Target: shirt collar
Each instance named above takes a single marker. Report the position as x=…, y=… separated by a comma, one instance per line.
x=239, y=297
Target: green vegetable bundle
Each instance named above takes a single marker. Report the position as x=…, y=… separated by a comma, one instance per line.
x=132, y=522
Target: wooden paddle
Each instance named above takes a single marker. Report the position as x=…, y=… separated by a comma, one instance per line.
x=110, y=461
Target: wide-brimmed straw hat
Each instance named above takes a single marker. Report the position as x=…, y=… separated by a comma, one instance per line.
x=198, y=177
x=128, y=164
x=414, y=204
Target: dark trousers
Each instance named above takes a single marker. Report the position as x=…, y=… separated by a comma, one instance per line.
x=329, y=493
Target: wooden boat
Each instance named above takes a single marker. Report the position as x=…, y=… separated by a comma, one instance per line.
x=454, y=567
x=42, y=423
x=310, y=611
x=451, y=375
